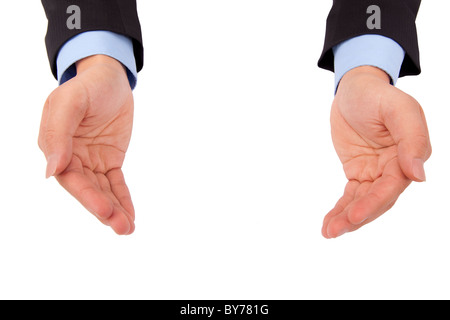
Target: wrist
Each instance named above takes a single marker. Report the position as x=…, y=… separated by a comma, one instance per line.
x=367, y=70
x=99, y=59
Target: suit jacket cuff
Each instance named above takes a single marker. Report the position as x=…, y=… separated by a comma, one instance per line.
x=118, y=16
x=349, y=19
x=91, y=43
x=368, y=50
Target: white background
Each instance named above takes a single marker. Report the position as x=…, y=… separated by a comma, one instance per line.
x=231, y=167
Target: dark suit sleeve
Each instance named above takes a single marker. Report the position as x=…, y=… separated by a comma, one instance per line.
x=348, y=19
x=119, y=16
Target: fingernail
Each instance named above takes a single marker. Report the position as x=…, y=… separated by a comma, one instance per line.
x=362, y=220
x=418, y=169
x=51, y=166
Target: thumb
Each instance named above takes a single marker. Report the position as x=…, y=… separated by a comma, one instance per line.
x=405, y=120
x=63, y=112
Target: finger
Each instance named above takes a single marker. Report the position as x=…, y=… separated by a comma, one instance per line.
x=344, y=201
x=405, y=120
x=120, y=221
x=95, y=201
x=378, y=199
x=121, y=191
x=64, y=111
x=93, y=198
x=116, y=194
x=338, y=224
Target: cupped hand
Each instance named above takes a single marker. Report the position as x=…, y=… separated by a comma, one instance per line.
x=381, y=137
x=84, y=134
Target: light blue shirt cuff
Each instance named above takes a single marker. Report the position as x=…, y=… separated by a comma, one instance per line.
x=368, y=50
x=91, y=43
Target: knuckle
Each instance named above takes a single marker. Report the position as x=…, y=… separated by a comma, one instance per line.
x=422, y=143
x=49, y=138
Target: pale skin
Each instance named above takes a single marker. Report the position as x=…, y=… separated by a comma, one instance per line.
x=85, y=131
x=379, y=133
x=381, y=137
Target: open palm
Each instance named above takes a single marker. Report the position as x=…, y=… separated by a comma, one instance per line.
x=85, y=131
x=381, y=138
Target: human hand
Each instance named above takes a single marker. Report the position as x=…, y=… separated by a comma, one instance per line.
x=85, y=131
x=380, y=135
